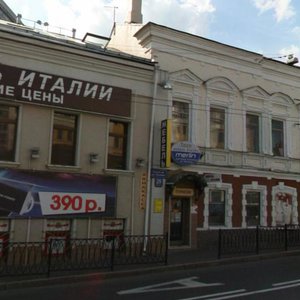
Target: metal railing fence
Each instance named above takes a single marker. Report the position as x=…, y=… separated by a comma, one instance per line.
x=257, y=240
x=58, y=255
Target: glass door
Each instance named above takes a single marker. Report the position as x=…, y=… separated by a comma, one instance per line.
x=180, y=222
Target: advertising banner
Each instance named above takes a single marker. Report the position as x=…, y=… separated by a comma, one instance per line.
x=49, y=89
x=37, y=194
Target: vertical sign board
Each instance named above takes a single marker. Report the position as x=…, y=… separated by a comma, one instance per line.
x=165, y=151
x=143, y=191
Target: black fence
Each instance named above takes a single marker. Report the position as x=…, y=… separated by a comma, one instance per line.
x=258, y=240
x=60, y=255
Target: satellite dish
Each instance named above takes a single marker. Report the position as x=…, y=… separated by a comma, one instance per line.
x=291, y=60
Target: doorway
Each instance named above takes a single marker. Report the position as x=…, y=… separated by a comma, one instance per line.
x=180, y=222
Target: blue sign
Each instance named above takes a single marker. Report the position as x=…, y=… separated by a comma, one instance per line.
x=185, y=153
x=158, y=182
x=158, y=173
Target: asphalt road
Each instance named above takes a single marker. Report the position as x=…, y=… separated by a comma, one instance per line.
x=266, y=279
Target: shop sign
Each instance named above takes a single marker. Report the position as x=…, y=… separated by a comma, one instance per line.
x=143, y=191
x=183, y=192
x=165, y=151
x=48, y=89
x=40, y=193
x=58, y=225
x=158, y=173
x=117, y=224
x=71, y=203
x=158, y=182
x=3, y=225
x=158, y=206
x=159, y=176
x=186, y=153
x=213, y=177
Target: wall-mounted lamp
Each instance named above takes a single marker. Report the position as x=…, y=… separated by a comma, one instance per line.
x=140, y=162
x=94, y=157
x=35, y=153
x=166, y=85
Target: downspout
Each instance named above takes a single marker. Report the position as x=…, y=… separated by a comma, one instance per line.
x=150, y=156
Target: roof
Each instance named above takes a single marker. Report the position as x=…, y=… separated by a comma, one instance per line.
x=213, y=42
x=6, y=13
x=67, y=41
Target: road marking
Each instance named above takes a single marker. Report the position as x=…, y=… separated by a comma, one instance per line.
x=186, y=283
x=245, y=293
x=214, y=295
x=286, y=282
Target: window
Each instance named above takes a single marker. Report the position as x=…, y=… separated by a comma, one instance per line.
x=64, y=139
x=217, y=128
x=216, y=208
x=117, y=145
x=180, y=121
x=8, y=132
x=277, y=138
x=253, y=208
x=252, y=128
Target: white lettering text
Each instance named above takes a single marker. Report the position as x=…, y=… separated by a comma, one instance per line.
x=29, y=78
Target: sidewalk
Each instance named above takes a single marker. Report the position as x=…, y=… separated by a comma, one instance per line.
x=178, y=259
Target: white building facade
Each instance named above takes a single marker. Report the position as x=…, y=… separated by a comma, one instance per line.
x=241, y=110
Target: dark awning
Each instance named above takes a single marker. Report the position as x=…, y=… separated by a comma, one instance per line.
x=186, y=177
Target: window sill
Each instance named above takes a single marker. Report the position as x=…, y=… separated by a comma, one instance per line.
x=212, y=228
x=4, y=163
x=62, y=167
x=117, y=171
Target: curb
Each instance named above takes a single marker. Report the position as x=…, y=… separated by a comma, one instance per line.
x=65, y=279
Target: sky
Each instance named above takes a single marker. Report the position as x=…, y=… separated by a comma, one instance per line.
x=267, y=27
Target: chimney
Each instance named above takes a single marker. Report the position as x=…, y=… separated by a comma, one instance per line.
x=135, y=12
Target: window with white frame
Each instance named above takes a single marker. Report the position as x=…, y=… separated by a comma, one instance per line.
x=217, y=128
x=180, y=121
x=284, y=205
x=253, y=208
x=216, y=208
x=218, y=205
x=252, y=132
x=254, y=205
x=278, y=137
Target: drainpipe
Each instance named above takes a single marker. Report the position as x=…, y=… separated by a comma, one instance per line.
x=150, y=157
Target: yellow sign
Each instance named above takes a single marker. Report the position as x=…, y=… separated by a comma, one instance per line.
x=183, y=192
x=158, y=206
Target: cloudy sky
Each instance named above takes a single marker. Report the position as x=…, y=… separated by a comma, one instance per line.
x=269, y=27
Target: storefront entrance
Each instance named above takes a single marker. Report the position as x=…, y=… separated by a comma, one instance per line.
x=180, y=222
